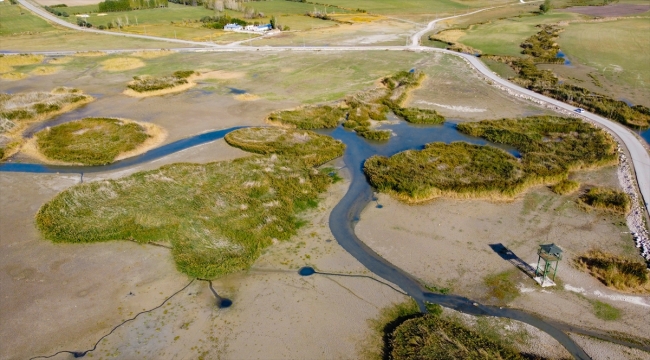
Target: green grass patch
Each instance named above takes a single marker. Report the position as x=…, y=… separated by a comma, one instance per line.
x=606, y=199
x=14, y=19
x=217, y=217
x=309, y=117
x=502, y=286
x=565, y=187
x=616, y=271
x=145, y=83
x=313, y=149
x=379, y=135
x=605, y=311
x=436, y=337
x=90, y=141
x=550, y=148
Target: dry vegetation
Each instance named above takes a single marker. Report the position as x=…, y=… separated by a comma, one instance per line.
x=615, y=271
x=551, y=147
x=565, y=187
x=121, y=64
x=19, y=110
x=9, y=63
x=606, y=199
x=90, y=141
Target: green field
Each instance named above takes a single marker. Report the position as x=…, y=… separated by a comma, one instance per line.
x=619, y=50
x=15, y=19
x=398, y=7
x=503, y=37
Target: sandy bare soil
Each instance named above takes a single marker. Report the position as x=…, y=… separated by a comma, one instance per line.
x=59, y=297
x=610, y=10
x=447, y=243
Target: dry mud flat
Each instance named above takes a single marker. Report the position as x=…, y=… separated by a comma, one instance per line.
x=66, y=296
x=449, y=243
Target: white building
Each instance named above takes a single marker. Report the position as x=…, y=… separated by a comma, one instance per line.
x=233, y=27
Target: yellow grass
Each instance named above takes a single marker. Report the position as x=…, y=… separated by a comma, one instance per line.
x=8, y=62
x=157, y=136
x=190, y=84
x=90, y=53
x=13, y=76
x=222, y=75
x=45, y=70
x=246, y=97
x=122, y=64
x=358, y=18
x=450, y=35
x=152, y=54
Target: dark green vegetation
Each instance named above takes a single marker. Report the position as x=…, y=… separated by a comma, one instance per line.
x=56, y=11
x=91, y=141
x=311, y=148
x=359, y=109
x=606, y=199
x=436, y=337
x=126, y=5
x=542, y=48
x=147, y=83
x=217, y=217
x=615, y=271
x=551, y=147
x=219, y=22
x=565, y=187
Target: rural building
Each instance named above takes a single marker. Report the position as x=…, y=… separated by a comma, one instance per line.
x=232, y=27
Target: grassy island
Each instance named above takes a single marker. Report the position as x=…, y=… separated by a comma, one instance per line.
x=151, y=86
x=19, y=110
x=90, y=141
x=550, y=148
x=311, y=148
x=216, y=217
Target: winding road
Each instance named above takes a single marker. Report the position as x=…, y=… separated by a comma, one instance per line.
x=347, y=211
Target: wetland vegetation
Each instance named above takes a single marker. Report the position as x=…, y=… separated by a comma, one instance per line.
x=606, y=199
x=216, y=217
x=90, y=141
x=144, y=84
x=565, y=187
x=357, y=111
x=550, y=148
x=18, y=110
x=615, y=271
x=311, y=148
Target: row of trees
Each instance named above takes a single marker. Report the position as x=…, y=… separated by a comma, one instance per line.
x=126, y=5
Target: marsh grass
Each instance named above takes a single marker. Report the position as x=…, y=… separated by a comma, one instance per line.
x=19, y=110
x=565, y=187
x=606, y=199
x=144, y=84
x=309, y=117
x=90, y=141
x=311, y=148
x=439, y=337
x=551, y=147
x=217, y=217
x=357, y=110
x=615, y=271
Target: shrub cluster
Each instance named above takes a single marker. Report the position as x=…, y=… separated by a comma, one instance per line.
x=57, y=12
x=615, y=271
x=565, y=187
x=218, y=22
x=607, y=199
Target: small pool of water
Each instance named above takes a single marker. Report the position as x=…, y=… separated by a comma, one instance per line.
x=236, y=91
